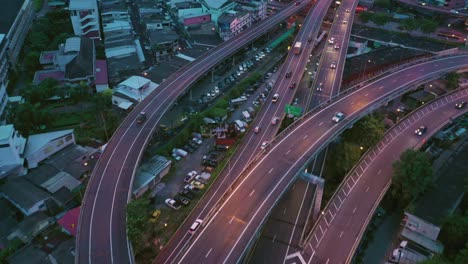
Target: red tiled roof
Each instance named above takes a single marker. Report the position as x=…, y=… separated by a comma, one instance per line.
x=101, y=72
x=70, y=220
x=39, y=76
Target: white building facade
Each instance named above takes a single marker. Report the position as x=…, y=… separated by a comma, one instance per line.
x=12, y=146
x=84, y=15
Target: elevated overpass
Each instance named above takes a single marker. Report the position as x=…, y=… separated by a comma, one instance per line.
x=241, y=212
x=102, y=234
x=338, y=231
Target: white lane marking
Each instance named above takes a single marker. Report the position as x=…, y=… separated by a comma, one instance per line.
x=354, y=210
x=282, y=178
x=394, y=81
x=380, y=171
x=316, y=239
x=252, y=192
x=296, y=254
x=297, y=217
x=321, y=123
x=336, y=208
x=328, y=260
x=287, y=152
x=321, y=230
x=284, y=211
x=232, y=219
x=311, y=257
x=209, y=251
x=351, y=103
x=366, y=94
x=270, y=170
x=347, y=184
x=381, y=87
x=305, y=136
x=367, y=189
x=326, y=222
x=341, y=234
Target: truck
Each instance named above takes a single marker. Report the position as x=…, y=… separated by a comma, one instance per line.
x=297, y=47
x=246, y=116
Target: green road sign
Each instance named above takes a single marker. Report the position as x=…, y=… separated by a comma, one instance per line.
x=293, y=110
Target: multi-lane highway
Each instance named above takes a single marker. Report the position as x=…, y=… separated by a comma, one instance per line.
x=252, y=141
x=226, y=235
x=432, y=8
x=102, y=228
x=339, y=230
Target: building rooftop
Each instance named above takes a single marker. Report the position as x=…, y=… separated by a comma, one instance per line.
x=101, y=72
x=52, y=179
x=216, y=4
x=82, y=4
x=72, y=44
x=36, y=142
x=8, y=14
x=83, y=64
x=23, y=193
x=69, y=220
x=6, y=132
x=56, y=74
x=163, y=36
x=70, y=159
x=29, y=255
x=63, y=253
x=135, y=82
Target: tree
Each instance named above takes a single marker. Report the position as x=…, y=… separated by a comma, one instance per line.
x=347, y=155
x=366, y=132
x=462, y=256
x=428, y=26
x=409, y=24
x=31, y=62
x=412, y=175
x=366, y=16
x=30, y=117
x=452, y=80
x=439, y=259
x=380, y=19
x=454, y=233
x=137, y=218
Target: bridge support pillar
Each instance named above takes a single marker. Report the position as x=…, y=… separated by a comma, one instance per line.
x=319, y=183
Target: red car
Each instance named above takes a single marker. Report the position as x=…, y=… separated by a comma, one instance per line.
x=292, y=86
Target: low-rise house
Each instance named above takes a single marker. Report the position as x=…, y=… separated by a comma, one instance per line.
x=149, y=174
x=75, y=160
x=12, y=146
x=7, y=222
x=42, y=146
x=71, y=64
x=24, y=195
x=29, y=255
x=164, y=43
x=64, y=253
x=31, y=226
x=232, y=23
x=69, y=221
x=132, y=91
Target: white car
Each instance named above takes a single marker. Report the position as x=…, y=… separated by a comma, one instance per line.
x=190, y=176
x=197, y=140
x=194, y=227
x=333, y=65
x=172, y=204
x=338, y=117
x=264, y=145
x=275, y=98
x=337, y=46
x=331, y=40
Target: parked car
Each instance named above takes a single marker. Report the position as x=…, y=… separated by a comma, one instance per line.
x=190, y=187
x=141, y=118
x=181, y=199
x=190, y=176
x=188, y=148
x=198, y=185
x=186, y=193
x=194, y=227
x=172, y=204
x=197, y=141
